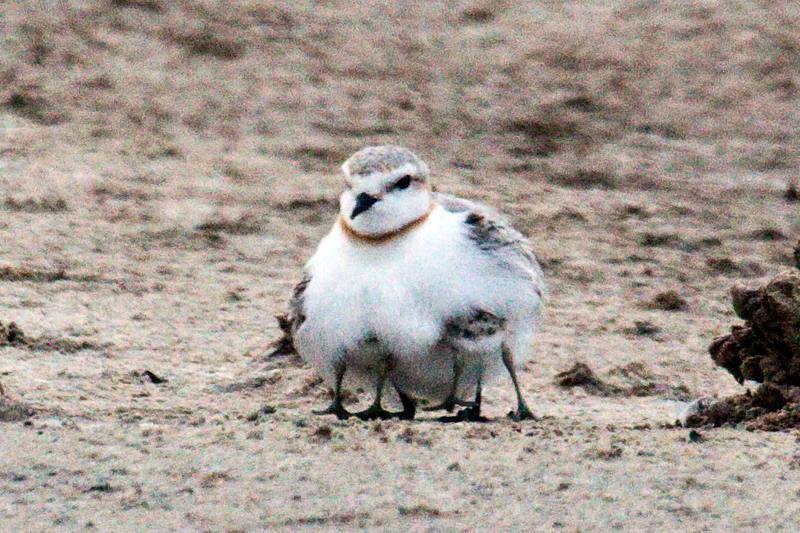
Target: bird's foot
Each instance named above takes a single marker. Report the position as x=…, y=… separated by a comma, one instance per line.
x=376, y=412
x=470, y=414
x=522, y=413
x=335, y=408
x=448, y=405
x=408, y=412
x=409, y=406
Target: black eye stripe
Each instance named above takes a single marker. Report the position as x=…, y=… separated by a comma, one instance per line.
x=403, y=182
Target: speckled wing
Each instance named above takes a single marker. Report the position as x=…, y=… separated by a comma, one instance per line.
x=289, y=322
x=492, y=233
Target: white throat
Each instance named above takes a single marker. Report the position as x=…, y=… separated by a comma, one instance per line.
x=392, y=213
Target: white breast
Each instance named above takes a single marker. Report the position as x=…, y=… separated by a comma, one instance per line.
x=401, y=293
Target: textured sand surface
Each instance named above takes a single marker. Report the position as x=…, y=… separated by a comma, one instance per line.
x=166, y=169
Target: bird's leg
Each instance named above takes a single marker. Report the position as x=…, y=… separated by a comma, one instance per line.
x=522, y=413
x=478, y=398
x=450, y=402
x=336, y=407
x=375, y=410
x=473, y=411
x=409, y=405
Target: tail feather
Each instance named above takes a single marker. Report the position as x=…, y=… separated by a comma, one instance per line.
x=284, y=345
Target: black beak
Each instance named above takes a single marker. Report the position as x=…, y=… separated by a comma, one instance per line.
x=363, y=202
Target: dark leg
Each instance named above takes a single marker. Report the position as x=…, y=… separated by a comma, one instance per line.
x=473, y=411
x=409, y=406
x=522, y=413
x=375, y=410
x=450, y=402
x=336, y=407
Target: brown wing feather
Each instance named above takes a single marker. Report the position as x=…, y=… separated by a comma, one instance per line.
x=289, y=322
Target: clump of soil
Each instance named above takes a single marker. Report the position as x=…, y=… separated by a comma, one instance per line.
x=797, y=255
x=580, y=375
x=769, y=408
x=667, y=301
x=14, y=411
x=32, y=205
x=766, y=349
x=10, y=334
x=636, y=379
x=13, y=335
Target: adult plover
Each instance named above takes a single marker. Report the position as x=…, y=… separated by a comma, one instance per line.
x=426, y=291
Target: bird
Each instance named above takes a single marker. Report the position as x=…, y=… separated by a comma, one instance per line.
x=428, y=292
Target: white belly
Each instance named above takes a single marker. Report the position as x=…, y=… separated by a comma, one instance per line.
x=398, y=296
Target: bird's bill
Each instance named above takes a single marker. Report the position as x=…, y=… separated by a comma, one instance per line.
x=363, y=202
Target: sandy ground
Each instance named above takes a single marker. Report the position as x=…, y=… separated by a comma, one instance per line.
x=167, y=169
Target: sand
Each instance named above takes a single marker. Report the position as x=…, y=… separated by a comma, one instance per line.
x=166, y=170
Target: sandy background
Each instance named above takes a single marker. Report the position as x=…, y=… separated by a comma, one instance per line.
x=167, y=168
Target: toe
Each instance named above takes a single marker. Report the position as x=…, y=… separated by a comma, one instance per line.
x=335, y=408
x=448, y=405
x=374, y=413
x=522, y=413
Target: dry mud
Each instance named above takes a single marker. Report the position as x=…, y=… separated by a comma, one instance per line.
x=167, y=168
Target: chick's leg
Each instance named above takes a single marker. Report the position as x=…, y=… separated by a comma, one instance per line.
x=336, y=407
x=522, y=412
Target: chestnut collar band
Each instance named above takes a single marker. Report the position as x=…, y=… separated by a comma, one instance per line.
x=384, y=237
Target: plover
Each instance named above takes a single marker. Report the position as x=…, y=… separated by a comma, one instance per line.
x=426, y=291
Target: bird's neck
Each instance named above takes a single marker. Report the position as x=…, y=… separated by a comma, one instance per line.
x=381, y=238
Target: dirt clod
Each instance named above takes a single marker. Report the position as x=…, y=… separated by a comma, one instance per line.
x=637, y=382
x=13, y=335
x=103, y=486
x=660, y=239
x=580, y=375
x=14, y=411
x=246, y=224
x=767, y=234
x=770, y=408
x=32, y=205
x=10, y=334
x=797, y=255
x=153, y=378
x=323, y=433
x=643, y=328
x=695, y=436
x=420, y=511
x=254, y=416
x=605, y=454
x=667, y=301
x=791, y=194
x=766, y=349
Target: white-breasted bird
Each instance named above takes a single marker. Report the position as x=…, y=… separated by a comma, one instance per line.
x=426, y=291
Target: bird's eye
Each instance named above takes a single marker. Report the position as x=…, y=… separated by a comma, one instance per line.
x=403, y=182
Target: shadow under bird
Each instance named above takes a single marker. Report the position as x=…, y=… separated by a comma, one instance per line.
x=427, y=292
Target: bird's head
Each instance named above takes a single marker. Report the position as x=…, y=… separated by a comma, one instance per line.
x=387, y=190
